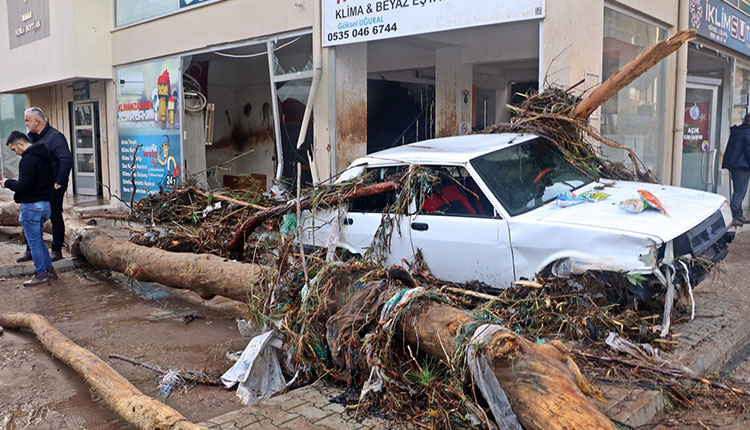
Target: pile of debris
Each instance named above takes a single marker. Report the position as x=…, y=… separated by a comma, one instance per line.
x=405, y=344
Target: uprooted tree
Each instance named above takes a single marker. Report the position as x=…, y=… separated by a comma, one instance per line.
x=543, y=384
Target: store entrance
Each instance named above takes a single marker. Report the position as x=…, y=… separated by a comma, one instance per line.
x=700, y=140
x=85, y=146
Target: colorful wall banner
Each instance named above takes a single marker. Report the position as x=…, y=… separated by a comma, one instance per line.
x=721, y=23
x=351, y=21
x=149, y=122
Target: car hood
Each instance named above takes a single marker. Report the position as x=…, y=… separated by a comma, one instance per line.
x=686, y=209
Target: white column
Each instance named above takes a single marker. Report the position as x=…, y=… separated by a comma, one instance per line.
x=453, y=92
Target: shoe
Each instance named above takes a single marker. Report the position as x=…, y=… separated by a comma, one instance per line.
x=55, y=255
x=38, y=278
x=51, y=273
x=741, y=219
x=25, y=257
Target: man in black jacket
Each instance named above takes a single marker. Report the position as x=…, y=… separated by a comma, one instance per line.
x=32, y=191
x=62, y=161
x=737, y=160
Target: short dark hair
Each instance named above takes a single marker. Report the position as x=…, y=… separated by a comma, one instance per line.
x=16, y=136
x=746, y=120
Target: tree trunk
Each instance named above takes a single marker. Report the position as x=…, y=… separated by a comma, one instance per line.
x=207, y=275
x=630, y=72
x=543, y=384
x=126, y=400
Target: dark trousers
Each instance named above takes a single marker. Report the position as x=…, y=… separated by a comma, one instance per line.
x=740, y=179
x=58, y=224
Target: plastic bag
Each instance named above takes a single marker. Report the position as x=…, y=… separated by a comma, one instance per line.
x=288, y=224
x=652, y=201
x=257, y=372
x=593, y=196
x=634, y=206
x=567, y=198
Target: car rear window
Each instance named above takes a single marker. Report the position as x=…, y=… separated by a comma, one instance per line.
x=379, y=202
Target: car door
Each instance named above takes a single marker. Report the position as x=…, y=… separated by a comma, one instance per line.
x=359, y=226
x=459, y=232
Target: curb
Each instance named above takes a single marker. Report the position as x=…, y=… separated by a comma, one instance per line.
x=62, y=265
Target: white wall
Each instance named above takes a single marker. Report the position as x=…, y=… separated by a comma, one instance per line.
x=78, y=46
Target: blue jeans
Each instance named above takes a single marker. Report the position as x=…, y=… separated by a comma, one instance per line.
x=33, y=216
x=740, y=179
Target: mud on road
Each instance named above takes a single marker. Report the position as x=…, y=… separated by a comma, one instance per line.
x=106, y=315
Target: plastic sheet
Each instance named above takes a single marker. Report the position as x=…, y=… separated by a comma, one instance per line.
x=486, y=380
x=257, y=372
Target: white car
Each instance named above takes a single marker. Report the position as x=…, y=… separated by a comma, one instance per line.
x=493, y=216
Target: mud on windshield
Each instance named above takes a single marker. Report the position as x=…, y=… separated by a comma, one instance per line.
x=523, y=177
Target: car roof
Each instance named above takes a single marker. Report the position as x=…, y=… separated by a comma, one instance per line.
x=447, y=150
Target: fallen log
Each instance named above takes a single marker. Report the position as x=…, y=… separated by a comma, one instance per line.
x=545, y=388
x=207, y=275
x=124, y=398
x=259, y=218
x=630, y=72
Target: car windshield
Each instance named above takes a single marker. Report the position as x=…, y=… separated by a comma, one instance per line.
x=523, y=177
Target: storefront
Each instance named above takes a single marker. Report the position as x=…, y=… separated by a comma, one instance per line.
x=716, y=94
x=410, y=71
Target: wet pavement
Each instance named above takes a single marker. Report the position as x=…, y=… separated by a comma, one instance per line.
x=106, y=315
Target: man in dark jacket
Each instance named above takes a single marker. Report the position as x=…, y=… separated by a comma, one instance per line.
x=32, y=191
x=737, y=160
x=62, y=161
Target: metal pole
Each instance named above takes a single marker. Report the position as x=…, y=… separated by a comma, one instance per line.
x=270, y=45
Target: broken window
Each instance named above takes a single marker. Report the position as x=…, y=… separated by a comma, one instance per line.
x=378, y=203
x=455, y=193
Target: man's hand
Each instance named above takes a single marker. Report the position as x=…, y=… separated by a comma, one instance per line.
x=2, y=182
x=57, y=186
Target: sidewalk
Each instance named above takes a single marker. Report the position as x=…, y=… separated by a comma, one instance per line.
x=720, y=328
x=306, y=408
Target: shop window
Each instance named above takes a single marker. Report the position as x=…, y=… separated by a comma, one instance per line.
x=12, y=107
x=635, y=116
x=132, y=11
x=741, y=91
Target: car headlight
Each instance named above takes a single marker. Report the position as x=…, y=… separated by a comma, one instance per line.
x=726, y=213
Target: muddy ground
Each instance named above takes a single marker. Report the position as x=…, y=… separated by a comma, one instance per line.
x=106, y=315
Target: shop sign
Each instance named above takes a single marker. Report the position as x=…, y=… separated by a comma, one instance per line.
x=351, y=21
x=28, y=21
x=149, y=121
x=81, y=90
x=721, y=23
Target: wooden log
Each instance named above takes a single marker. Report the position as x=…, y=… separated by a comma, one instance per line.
x=259, y=218
x=230, y=200
x=630, y=72
x=544, y=386
x=124, y=398
x=207, y=275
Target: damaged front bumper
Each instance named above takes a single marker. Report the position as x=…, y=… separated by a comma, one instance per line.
x=693, y=253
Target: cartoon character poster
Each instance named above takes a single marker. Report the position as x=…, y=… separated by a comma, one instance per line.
x=149, y=124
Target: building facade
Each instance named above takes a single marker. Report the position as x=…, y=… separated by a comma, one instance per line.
x=236, y=92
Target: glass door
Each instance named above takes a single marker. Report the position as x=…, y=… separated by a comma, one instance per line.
x=699, y=142
x=85, y=165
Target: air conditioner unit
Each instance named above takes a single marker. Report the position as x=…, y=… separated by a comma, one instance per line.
x=130, y=83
